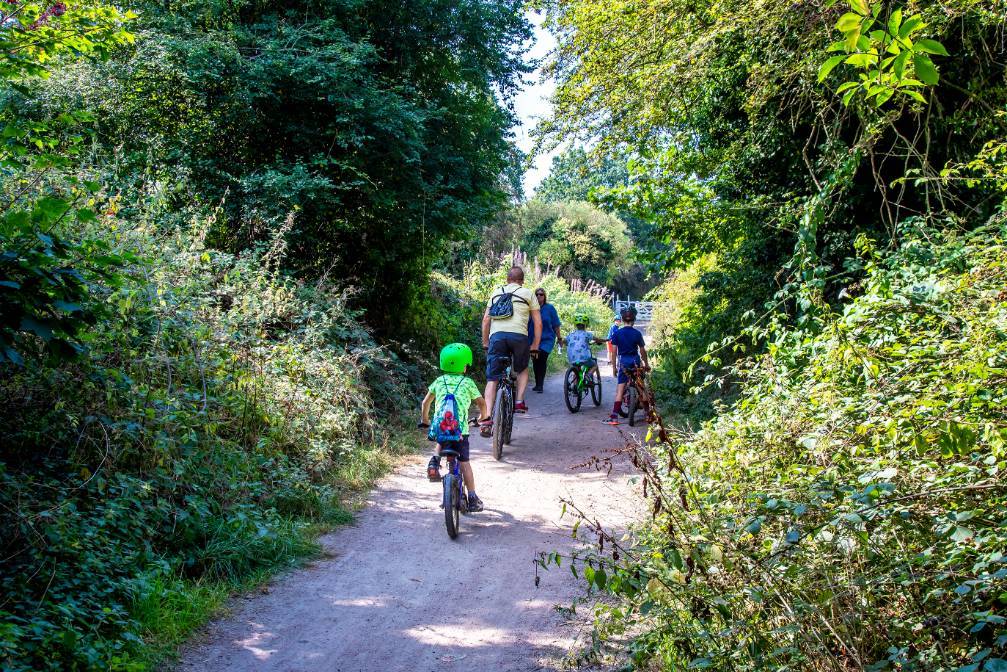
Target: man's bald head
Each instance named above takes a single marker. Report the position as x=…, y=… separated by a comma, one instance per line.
x=516, y=275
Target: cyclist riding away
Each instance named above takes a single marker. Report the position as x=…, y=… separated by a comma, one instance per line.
x=455, y=391
x=632, y=353
x=505, y=335
x=578, y=343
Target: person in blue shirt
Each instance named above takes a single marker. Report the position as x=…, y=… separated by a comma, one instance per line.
x=550, y=332
x=632, y=353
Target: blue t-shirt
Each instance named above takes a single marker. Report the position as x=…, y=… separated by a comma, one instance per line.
x=628, y=342
x=611, y=331
x=550, y=322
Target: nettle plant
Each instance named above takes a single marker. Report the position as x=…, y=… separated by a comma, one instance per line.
x=891, y=59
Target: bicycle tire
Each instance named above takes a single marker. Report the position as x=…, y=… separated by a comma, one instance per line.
x=452, y=510
x=571, y=391
x=509, y=417
x=634, y=404
x=596, y=387
x=498, y=424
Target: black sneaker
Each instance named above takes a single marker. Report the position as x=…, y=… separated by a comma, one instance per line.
x=475, y=504
x=434, y=470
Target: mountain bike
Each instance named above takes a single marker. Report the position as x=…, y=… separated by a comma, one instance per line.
x=455, y=503
x=503, y=411
x=579, y=380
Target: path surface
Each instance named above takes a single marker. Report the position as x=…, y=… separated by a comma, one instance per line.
x=395, y=593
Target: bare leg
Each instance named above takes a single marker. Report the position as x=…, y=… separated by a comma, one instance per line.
x=470, y=480
x=618, y=392
x=522, y=383
x=490, y=396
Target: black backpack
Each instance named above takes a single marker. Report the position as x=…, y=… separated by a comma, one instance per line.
x=502, y=307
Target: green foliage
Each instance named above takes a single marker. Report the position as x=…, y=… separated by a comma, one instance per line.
x=46, y=270
x=223, y=412
x=848, y=510
x=576, y=238
x=890, y=58
x=383, y=124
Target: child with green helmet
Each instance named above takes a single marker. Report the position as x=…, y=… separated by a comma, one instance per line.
x=458, y=391
x=578, y=343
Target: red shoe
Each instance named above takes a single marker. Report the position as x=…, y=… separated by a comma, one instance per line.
x=520, y=407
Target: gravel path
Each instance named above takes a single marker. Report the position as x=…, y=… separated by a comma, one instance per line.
x=395, y=593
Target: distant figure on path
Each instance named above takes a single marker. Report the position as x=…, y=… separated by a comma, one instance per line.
x=550, y=334
x=505, y=334
x=616, y=324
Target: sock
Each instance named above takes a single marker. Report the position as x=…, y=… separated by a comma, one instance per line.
x=472, y=494
x=616, y=407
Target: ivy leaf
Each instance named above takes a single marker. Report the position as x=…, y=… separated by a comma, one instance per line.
x=931, y=47
x=925, y=69
x=828, y=66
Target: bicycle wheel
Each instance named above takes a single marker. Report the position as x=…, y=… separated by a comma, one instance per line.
x=499, y=415
x=452, y=513
x=509, y=417
x=571, y=390
x=634, y=403
x=596, y=387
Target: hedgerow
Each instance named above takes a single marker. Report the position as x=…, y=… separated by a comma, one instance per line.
x=848, y=511
x=221, y=413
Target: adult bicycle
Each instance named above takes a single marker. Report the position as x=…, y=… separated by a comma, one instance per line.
x=503, y=410
x=580, y=380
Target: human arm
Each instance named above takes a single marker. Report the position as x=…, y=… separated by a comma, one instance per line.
x=486, y=328
x=425, y=408
x=537, y=323
x=643, y=356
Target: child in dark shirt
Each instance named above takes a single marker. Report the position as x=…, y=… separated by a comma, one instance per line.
x=632, y=353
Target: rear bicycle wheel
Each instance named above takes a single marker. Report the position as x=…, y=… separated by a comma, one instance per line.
x=452, y=507
x=499, y=415
x=596, y=387
x=571, y=390
x=509, y=415
x=634, y=403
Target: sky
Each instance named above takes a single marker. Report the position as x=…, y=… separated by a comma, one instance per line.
x=533, y=103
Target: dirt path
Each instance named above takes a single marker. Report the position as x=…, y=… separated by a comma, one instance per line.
x=397, y=594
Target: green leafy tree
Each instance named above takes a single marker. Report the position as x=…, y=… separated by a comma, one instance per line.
x=46, y=268
x=577, y=238
x=381, y=125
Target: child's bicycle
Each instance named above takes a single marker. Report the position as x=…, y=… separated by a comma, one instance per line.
x=455, y=503
x=503, y=411
x=631, y=397
x=579, y=379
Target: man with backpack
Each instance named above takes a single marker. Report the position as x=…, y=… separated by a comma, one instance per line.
x=505, y=334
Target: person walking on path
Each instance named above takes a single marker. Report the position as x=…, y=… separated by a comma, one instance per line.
x=616, y=324
x=505, y=334
x=550, y=335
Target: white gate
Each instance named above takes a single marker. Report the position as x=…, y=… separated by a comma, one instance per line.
x=644, y=309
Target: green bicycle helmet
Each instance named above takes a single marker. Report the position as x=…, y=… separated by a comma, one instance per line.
x=581, y=317
x=455, y=357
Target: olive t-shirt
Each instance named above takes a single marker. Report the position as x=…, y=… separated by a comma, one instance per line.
x=523, y=301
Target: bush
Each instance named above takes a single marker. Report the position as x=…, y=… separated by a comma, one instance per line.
x=848, y=510
x=223, y=410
